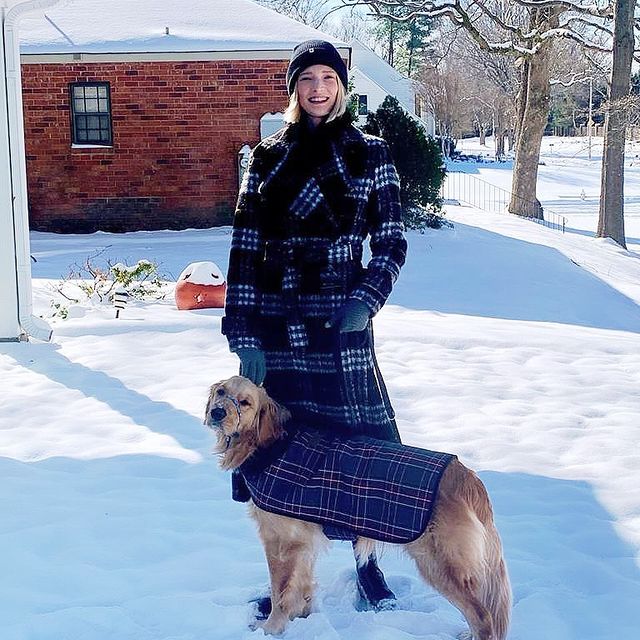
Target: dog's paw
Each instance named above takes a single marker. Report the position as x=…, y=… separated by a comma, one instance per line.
x=273, y=626
x=387, y=604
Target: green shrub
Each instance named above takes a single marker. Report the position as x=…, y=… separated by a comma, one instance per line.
x=418, y=159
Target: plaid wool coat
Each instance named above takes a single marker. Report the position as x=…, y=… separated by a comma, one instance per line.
x=308, y=201
x=366, y=487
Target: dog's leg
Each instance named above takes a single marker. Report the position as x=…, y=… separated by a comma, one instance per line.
x=288, y=597
x=291, y=547
x=456, y=583
x=460, y=554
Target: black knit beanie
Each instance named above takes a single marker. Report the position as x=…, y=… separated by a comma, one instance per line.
x=315, y=52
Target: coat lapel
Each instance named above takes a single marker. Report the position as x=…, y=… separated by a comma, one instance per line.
x=314, y=187
x=340, y=176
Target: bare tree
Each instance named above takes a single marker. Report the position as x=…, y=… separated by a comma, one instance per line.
x=611, y=218
x=524, y=30
x=352, y=24
x=311, y=12
x=346, y=22
x=493, y=85
x=443, y=88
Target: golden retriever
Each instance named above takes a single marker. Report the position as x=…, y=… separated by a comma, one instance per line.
x=459, y=554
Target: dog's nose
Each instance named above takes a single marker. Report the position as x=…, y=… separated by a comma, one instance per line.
x=217, y=414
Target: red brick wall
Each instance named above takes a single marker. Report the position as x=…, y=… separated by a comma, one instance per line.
x=177, y=129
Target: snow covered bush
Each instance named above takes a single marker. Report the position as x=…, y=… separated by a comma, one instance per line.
x=94, y=285
x=418, y=160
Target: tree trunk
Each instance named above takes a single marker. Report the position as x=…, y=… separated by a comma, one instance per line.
x=522, y=97
x=500, y=135
x=611, y=218
x=482, y=133
x=411, y=47
x=499, y=132
x=533, y=112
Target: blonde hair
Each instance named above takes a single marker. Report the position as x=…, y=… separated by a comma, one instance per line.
x=293, y=112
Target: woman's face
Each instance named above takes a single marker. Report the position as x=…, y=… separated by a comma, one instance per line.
x=317, y=91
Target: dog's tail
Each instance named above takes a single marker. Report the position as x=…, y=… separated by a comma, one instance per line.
x=495, y=587
x=463, y=558
x=496, y=593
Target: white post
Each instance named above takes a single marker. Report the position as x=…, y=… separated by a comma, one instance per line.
x=590, y=121
x=16, y=319
x=9, y=325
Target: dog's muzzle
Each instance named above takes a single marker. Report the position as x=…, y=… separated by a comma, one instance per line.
x=217, y=414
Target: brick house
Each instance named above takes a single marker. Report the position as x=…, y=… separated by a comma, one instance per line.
x=135, y=112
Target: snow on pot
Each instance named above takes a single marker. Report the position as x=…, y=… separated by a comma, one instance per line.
x=201, y=286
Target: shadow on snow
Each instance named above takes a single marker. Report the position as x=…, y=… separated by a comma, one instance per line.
x=160, y=417
x=471, y=271
x=145, y=547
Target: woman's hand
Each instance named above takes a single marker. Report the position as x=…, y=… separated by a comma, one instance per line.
x=353, y=315
x=252, y=364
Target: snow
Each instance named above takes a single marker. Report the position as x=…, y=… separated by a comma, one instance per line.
x=204, y=272
x=123, y=26
x=512, y=345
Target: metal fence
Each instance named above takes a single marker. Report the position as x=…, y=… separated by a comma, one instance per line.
x=459, y=186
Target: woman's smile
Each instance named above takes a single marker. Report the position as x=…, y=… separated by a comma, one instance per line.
x=317, y=91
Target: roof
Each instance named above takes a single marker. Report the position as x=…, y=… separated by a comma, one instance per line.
x=157, y=26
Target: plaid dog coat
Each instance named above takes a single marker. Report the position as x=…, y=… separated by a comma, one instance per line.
x=374, y=488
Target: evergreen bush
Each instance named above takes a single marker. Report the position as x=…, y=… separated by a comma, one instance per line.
x=418, y=160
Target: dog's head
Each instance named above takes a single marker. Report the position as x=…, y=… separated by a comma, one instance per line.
x=244, y=418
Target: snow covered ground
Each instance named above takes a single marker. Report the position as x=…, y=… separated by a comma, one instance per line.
x=514, y=346
x=568, y=181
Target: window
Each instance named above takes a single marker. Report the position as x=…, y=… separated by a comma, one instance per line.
x=362, y=104
x=91, y=113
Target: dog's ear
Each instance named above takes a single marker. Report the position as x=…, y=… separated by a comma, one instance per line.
x=271, y=419
x=212, y=393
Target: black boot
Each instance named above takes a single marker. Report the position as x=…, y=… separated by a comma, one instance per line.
x=373, y=587
x=263, y=607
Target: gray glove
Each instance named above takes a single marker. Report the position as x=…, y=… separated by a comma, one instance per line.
x=252, y=364
x=353, y=315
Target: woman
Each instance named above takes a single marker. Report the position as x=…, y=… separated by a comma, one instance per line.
x=299, y=302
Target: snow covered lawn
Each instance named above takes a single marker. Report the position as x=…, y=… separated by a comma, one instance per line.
x=511, y=345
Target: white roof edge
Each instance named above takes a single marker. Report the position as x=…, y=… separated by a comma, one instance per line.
x=147, y=56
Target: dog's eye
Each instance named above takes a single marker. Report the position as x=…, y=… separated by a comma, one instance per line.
x=220, y=392
x=245, y=403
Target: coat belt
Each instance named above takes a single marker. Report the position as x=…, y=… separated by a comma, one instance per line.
x=294, y=257
x=290, y=253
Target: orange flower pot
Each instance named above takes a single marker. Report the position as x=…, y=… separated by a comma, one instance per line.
x=201, y=286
